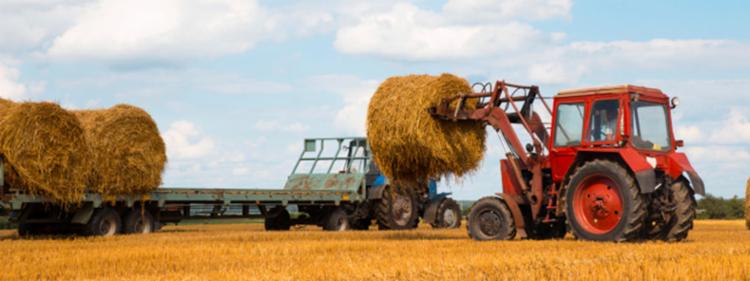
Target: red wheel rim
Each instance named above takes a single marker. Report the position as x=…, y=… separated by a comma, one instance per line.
x=597, y=204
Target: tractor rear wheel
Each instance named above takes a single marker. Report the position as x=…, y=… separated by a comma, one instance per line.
x=448, y=215
x=490, y=219
x=397, y=210
x=675, y=224
x=603, y=203
x=278, y=219
x=337, y=220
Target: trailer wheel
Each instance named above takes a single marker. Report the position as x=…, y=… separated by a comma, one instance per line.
x=138, y=221
x=337, y=220
x=448, y=214
x=490, y=219
x=105, y=222
x=278, y=219
x=397, y=209
x=604, y=203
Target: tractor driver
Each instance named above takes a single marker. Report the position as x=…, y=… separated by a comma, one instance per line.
x=604, y=121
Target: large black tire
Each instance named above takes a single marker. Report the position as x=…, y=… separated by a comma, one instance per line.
x=490, y=219
x=278, y=219
x=397, y=209
x=104, y=222
x=448, y=214
x=337, y=220
x=138, y=221
x=603, y=203
x=681, y=218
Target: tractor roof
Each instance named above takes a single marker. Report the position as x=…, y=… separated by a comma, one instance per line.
x=620, y=89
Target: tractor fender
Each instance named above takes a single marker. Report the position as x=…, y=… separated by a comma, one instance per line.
x=512, y=202
x=645, y=174
x=376, y=192
x=679, y=164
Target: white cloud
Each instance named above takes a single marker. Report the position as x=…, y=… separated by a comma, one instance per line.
x=410, y=33
x=734, y=130
x=554, y=73
x=690, y=134
x=662, y=53
x=28, y=25
x=492, y=10
x=10, y=87
x=168, y=30
x=355, y=93
x=185, y=141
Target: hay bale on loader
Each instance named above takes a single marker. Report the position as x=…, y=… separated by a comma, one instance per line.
x=128, y=152
x=44, y=150
x=407, y=143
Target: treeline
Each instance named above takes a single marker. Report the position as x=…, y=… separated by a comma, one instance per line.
x=717, y=208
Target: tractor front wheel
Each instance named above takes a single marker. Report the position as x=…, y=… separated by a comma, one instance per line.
x=603, y=203
x=448, y=214
x=490, y=219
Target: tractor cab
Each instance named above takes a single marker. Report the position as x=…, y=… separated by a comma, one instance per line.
x=631, y=123
x=614, y=117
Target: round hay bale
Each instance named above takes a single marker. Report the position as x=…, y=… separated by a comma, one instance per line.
x=409, y=144
x=128, y=152
x=45, y=151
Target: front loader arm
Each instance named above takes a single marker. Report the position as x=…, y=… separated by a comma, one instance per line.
x=499, y=109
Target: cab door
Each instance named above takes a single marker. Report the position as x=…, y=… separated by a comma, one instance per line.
x=567, y=135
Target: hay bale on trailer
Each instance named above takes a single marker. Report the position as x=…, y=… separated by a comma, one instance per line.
x=128, y=152
x=45, y=150
x=407, y=143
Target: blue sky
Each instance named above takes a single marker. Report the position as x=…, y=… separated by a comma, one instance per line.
x=236, y=85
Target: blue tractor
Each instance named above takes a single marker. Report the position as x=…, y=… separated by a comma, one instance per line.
x=400, y=207
x=345, y=166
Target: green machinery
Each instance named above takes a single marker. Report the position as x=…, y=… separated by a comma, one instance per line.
x=334, y=184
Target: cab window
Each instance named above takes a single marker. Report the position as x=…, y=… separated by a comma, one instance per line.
x=569, y=124
x=604, y=120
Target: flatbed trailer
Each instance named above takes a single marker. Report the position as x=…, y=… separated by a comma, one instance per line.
x=338, y=191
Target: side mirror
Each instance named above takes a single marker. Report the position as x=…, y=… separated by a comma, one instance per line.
x=675, y=102
x=680, y=143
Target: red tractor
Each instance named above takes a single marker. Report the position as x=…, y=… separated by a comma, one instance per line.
x=606, y=167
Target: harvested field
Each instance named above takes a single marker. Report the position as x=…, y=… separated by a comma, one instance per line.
x=127, y=150
x=747, y=205
x=715, y=250
x=407, y=143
